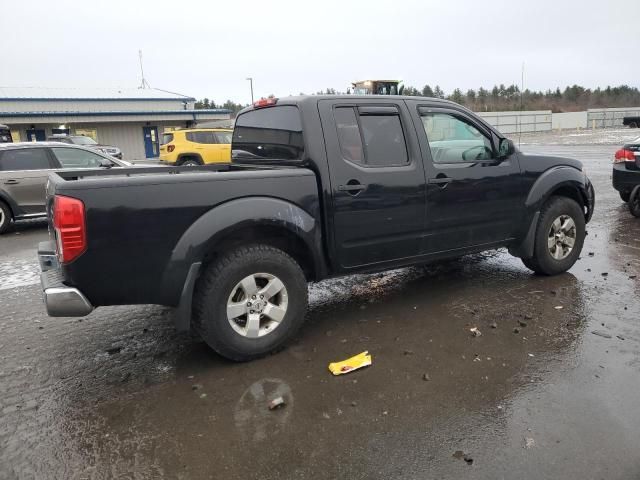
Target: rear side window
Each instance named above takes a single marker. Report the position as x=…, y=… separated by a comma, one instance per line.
x=201, y=137
x=166, y=138
x=371, y=136
x=24, y=159
x=273, y=133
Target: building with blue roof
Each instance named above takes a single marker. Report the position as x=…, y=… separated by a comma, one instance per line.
x=133, y=119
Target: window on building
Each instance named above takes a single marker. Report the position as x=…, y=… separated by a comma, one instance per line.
x=77, y=158
x=87, y=132
x=15, y=135
x=371, y=136
x=24, y=159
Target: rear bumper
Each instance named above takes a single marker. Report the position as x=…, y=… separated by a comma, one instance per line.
x=59, y=299
x=624, y=179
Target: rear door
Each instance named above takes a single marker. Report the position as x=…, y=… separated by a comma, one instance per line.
x=473, y=198
x=24, y=173
x=377, y=181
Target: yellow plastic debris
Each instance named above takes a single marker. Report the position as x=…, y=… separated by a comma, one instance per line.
x=350, y=364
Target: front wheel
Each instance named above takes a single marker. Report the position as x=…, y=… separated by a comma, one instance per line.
x=634, y=203
x=559, y=237
x=250, y=302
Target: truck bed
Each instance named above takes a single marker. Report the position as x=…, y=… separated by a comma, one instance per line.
x=136, y=216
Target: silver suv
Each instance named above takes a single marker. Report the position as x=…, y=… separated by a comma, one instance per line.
x=25, y=168
x=87, y=142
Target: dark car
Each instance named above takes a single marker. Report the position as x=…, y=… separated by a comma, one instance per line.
x=24, y=171
x=319, y=186
x=5, y=134
x=626, y=175
x=87, y=142
x=631, y=122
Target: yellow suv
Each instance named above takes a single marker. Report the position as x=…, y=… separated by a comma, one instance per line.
x=196, y=146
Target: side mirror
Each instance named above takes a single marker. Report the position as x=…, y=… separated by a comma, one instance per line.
x=104, y=163
x=506, y=148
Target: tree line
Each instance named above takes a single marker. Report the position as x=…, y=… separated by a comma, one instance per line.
x=572, y=99
x=500, y=98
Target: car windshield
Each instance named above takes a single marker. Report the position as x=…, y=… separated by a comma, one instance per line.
x=84, y=141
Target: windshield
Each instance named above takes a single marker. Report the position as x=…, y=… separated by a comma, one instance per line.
x=84, y=141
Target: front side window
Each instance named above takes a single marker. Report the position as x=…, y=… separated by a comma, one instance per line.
x=372, y=137
x=24, y=159
x=454, y=140
x=77, y=158
x=273, y=133
x=223, y=137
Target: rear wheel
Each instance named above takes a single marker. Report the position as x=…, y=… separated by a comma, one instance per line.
x=633, y=125
x=6, y=219
x=634, y=203
x=250, y=302
x=190, y=162
x=624, y=196
x=559, y=237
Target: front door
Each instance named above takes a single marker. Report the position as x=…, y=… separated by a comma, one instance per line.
x=473, y=198
x=151, y=146
x=36, y=135
x=223, y=140
x=377, y=181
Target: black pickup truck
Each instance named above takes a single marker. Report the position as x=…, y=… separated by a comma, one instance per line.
x=319, y=186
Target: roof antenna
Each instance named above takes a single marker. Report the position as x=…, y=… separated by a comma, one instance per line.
x=143, y=83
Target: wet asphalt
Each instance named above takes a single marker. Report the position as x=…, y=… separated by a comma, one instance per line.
x=119, y=394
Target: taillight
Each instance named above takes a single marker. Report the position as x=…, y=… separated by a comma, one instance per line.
x=171, y=148
x=69, y=223
x=624, y=155
x=265, y=102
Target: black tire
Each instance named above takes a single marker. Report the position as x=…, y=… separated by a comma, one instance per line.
x=218, y=282
x=6, y=217
x=633, y=125
x=542, y=261
x=190, y=162
x=624, y=196
x=634, y=204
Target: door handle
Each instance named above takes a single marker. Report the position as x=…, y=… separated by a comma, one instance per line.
x=441, y=180
x=11, y=182
x=352, y=188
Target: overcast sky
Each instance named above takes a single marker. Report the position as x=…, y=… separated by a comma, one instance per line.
x=209, y=48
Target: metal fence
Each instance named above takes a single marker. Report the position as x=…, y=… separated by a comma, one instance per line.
x=519, y=122
x=609, y=117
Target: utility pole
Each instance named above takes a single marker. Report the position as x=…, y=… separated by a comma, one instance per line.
x=250, y=79
x=522, y=86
